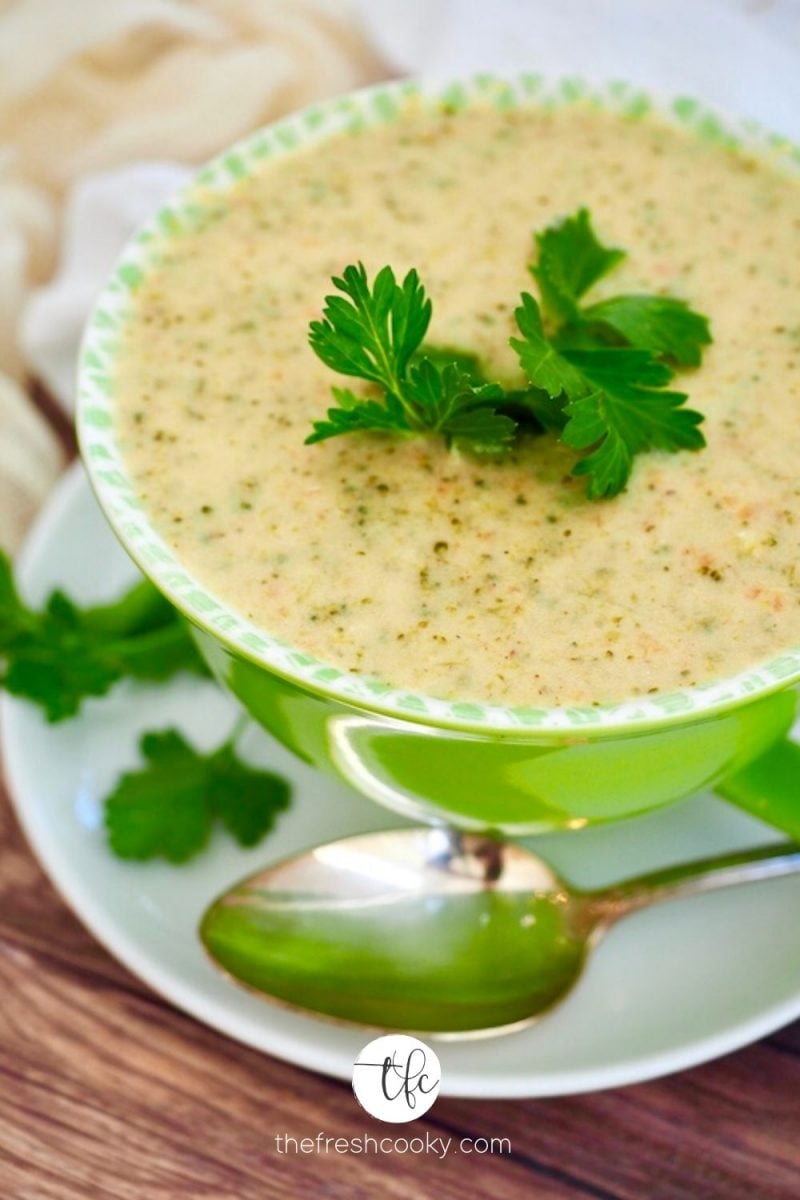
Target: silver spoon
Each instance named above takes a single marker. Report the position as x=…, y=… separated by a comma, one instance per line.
x=431, y=930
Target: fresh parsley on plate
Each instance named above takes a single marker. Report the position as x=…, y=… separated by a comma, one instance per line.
x=170, y=805
x=60, y=655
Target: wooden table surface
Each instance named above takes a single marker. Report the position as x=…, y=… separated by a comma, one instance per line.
x=106, y=1091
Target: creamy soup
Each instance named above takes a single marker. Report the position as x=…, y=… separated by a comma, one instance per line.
x=493, y=581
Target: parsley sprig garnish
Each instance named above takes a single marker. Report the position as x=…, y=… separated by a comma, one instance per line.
x=597, y=374
x=374, y=334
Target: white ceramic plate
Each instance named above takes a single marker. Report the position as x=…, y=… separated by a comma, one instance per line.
x=669, y=988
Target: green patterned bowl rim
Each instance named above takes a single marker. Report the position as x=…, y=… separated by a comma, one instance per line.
x=369, y=107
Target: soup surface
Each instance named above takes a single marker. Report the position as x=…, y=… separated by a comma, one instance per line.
x=493, y=581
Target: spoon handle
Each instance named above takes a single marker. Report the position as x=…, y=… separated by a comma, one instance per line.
x=691, y=878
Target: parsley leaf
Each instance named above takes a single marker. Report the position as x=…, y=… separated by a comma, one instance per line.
x=62, y=654
x=354, y=414
x=613, y=402
x=163, y=808
x=376, y=334
x=168, y=807
x=624, y=410
x=541, y=360
x=372, y=334
x=449, y=403
x=54, y=661
x=524, y=406
x=666, y=326
x=571, y=259
x=246, y=800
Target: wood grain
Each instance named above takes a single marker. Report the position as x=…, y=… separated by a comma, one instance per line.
x=108, y=1092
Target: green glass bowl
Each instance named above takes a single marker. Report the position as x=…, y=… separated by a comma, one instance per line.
x=516, y=770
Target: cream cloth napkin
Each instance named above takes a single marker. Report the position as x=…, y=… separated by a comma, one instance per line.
x=88, y=85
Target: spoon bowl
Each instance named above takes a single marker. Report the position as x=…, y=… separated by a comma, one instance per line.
x=431, y=930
